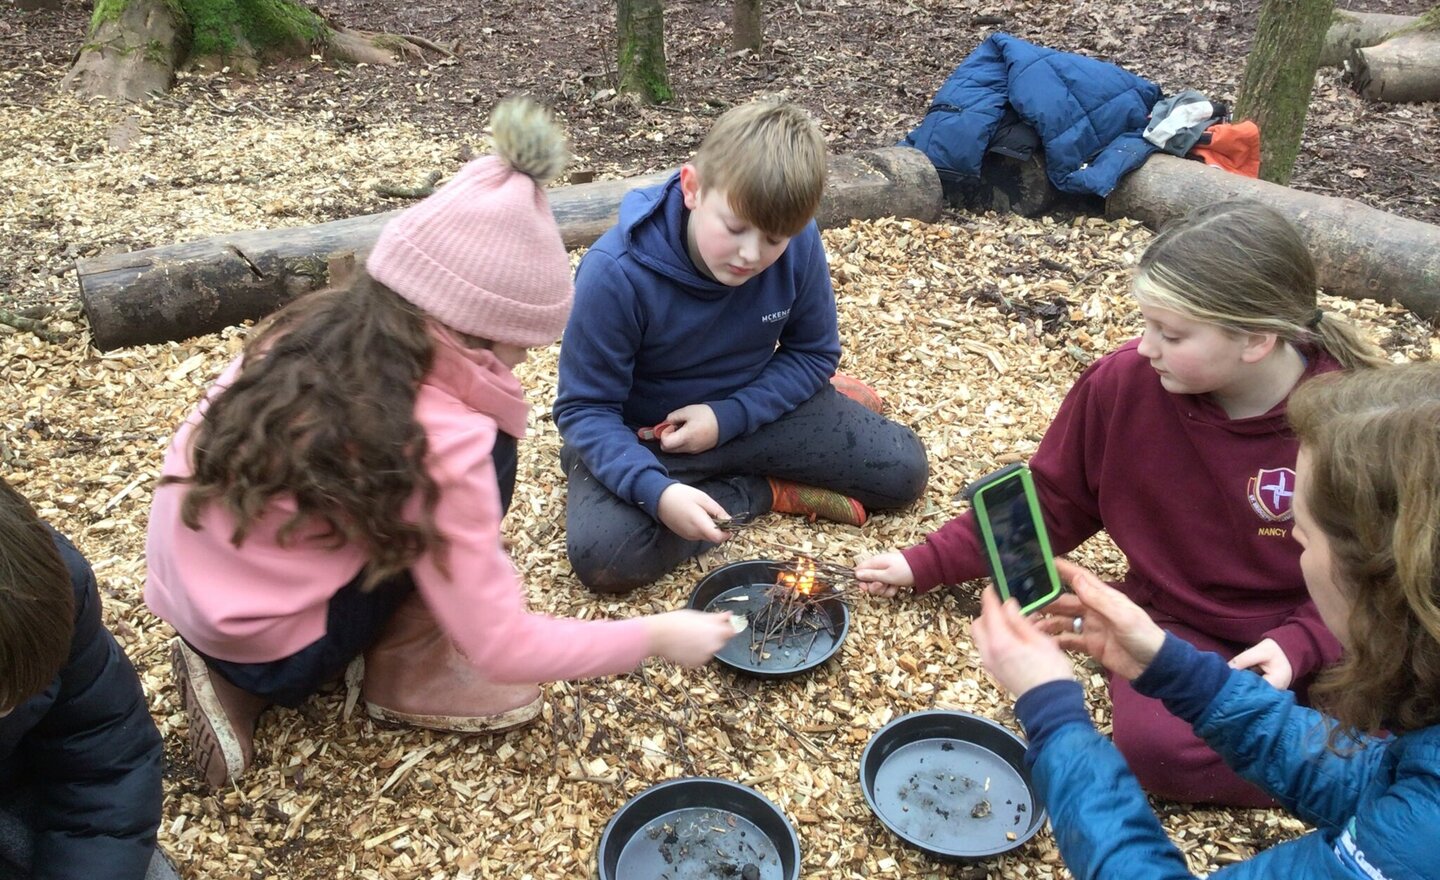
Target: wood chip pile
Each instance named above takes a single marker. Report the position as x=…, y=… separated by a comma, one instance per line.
x=972, y=331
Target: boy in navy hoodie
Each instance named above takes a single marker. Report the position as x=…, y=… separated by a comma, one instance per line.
x=695, y=372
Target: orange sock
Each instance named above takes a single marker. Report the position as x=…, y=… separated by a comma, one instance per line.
x=814, y=502
x=858, y=391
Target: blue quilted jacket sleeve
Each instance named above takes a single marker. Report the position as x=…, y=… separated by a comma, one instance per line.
x=1375, y=808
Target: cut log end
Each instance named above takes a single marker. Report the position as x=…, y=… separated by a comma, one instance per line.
x=1403, y=69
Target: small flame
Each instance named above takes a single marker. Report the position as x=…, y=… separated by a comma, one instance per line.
x=802, y=579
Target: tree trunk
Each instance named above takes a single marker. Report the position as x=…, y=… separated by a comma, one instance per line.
x=1279, y=75
x=1403, y=69
x=127, y=55
x=1352, y=30
x=640, y=25
x=134, y=46
x=747, y=25
x=1360, y=252
x=184, y=290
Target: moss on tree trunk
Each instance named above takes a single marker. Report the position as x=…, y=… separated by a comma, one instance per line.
x=220, y=27
x=640, y=25
x=1279, y=75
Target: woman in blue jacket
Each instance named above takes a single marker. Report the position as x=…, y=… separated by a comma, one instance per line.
x=1367, y=504
x=79, y=753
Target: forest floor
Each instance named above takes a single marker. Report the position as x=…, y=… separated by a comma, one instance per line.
x=972, y=329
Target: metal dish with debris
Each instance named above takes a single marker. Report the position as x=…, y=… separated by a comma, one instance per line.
x=951, y=784
x=699, y=828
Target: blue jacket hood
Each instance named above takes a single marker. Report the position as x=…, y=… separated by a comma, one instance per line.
x=655, y=228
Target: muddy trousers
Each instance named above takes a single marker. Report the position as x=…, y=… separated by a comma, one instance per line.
x=828, y=441
x=1164, y=753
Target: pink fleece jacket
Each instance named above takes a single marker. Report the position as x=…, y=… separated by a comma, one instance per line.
x=262, y=602
x=1198, y=502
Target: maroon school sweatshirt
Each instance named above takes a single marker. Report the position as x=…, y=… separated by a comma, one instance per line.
x=1198, y=502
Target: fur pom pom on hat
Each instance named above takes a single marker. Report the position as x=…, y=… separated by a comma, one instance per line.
x=483, y=255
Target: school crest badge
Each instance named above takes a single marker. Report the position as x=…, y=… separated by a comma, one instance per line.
x=1270, y=492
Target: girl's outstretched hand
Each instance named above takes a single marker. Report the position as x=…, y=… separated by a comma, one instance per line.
x=688, y=637
x=1113, y=630
x=1267, y=659
x=1015, y=651
x=885, y=574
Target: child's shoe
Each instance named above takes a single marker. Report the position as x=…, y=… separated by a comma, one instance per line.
x=858, y=391
x=815, y=502
x=222, y=717
x=414, y=675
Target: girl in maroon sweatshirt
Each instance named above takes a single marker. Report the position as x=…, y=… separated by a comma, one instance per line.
x=1177, y=445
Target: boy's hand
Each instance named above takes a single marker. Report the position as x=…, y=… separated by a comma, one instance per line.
x=696, y=429
x=691, y=514
x=1266, y=659
x=689, y=638
x=885, y=574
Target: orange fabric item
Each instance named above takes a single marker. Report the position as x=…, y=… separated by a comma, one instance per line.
x=1233, y=147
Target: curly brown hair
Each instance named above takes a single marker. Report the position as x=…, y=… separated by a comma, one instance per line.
x=1372, y=438
x=322, y=412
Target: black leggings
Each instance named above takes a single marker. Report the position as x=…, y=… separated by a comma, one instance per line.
x=828, y=441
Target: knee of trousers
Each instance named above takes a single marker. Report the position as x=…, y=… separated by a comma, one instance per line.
x=908, y=473
x=602, y=570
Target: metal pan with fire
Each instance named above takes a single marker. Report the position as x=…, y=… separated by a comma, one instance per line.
x=793, y=613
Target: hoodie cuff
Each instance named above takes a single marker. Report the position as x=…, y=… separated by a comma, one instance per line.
x=729, y=419
x=924, y=562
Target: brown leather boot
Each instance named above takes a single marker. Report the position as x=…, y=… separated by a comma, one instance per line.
x=414, y=675
x=222, y=717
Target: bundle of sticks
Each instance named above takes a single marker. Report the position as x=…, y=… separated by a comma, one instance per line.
x=793, y=609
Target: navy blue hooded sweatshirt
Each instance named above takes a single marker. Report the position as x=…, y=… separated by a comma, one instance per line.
x=650, y=333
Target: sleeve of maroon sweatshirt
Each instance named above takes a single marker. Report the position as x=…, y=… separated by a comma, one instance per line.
x=1308, y=644
x=1066, y=468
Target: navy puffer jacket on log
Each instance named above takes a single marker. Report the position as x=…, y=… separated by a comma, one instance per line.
x=1090, y=114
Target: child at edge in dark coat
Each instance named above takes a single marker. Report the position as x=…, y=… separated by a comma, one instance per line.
x=695, y=379
x=340, y=492
x=1176, y=444
x=1365, y=504
x=79, y=754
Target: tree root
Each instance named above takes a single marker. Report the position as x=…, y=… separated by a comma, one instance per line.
x=393, y=191
x=30, y=325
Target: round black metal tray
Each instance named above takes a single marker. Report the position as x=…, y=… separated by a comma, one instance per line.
x=951, y=784
x=740, y=588
x=699, y=828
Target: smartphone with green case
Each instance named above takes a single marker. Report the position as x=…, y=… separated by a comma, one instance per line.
x=1012, y=531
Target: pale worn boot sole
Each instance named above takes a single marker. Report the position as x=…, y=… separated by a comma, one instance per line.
x=459, y=724
x=214, y=745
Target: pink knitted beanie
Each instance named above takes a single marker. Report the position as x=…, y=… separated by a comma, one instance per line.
x=483, y=255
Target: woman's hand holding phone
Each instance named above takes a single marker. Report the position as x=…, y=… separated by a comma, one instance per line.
x=1113, y=630
x=1014, y=649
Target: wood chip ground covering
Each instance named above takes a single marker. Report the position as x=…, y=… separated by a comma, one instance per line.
x=971, y=329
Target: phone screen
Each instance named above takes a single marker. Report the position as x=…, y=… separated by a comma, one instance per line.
x=1017, y=544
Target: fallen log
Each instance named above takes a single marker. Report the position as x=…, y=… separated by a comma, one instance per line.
x=1360, y=252
x=184, y=290
x=1403, y=69
x=1353, y=30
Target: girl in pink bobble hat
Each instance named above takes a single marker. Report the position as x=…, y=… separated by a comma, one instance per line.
x=339, y=492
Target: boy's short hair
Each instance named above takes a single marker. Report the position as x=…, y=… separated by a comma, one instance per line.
x=37, y=602
x=769, y=159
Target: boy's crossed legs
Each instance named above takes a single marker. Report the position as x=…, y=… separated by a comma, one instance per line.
x=829, y=441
